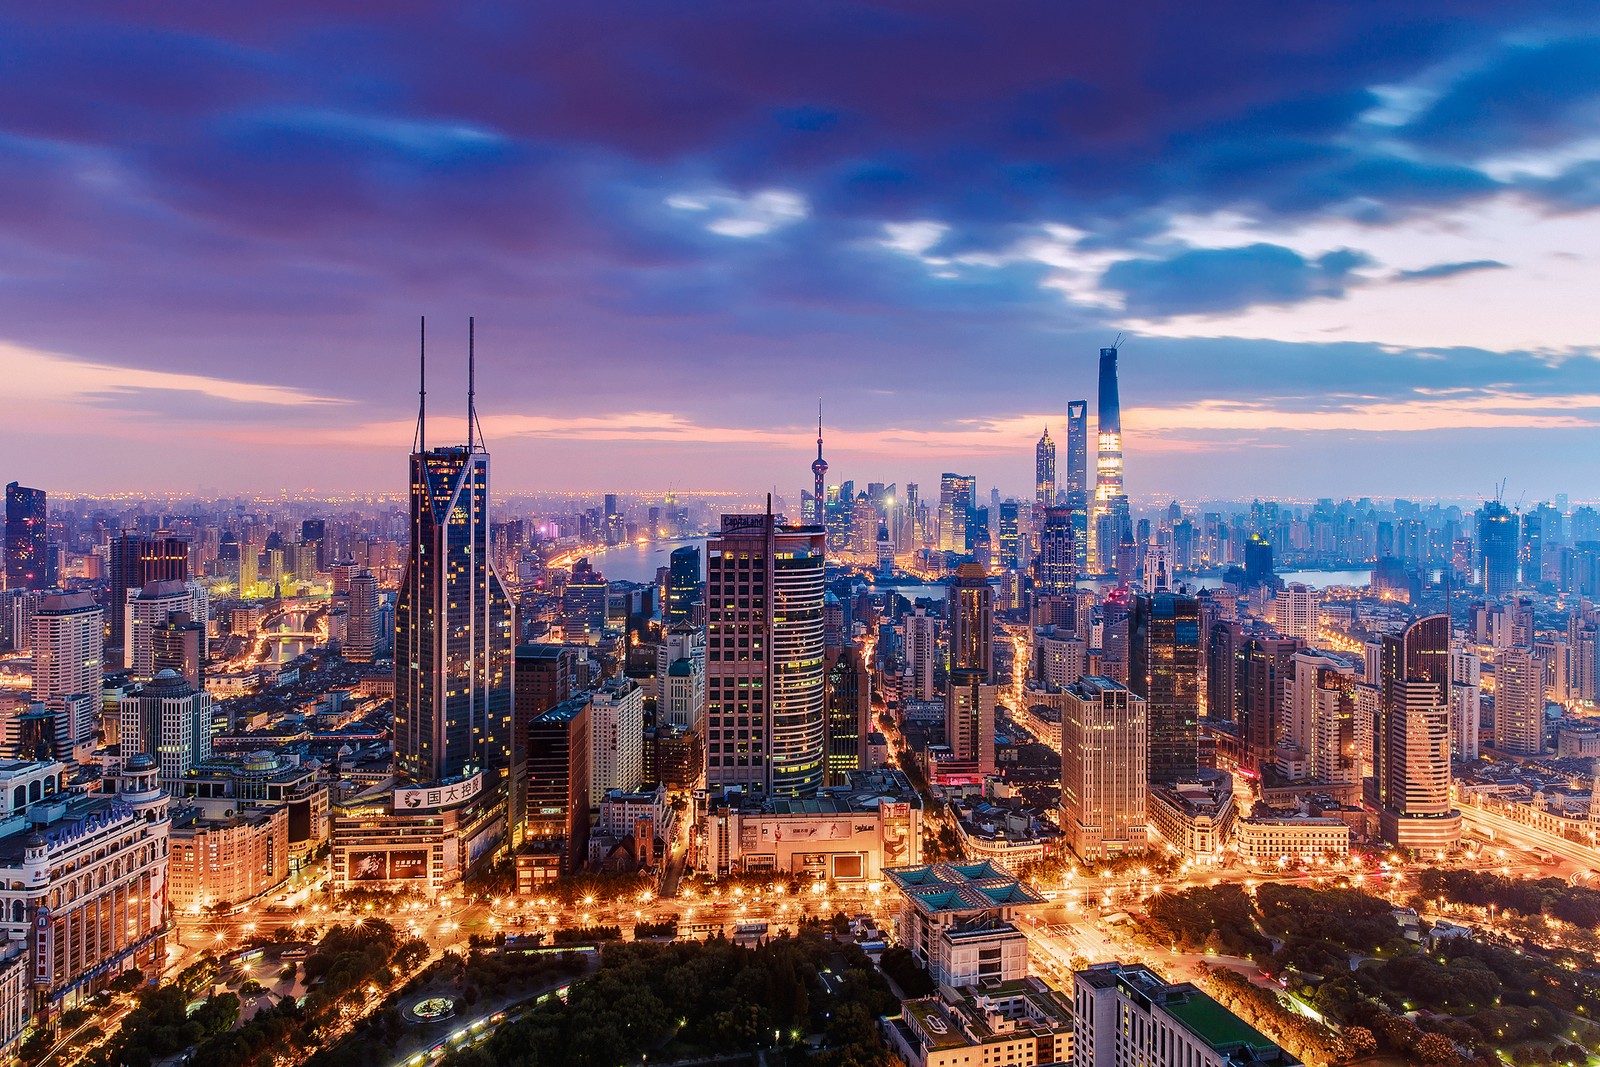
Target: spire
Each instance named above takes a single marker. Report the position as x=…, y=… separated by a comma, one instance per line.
x=472, y=414
x=420, y=443
x=819, y=427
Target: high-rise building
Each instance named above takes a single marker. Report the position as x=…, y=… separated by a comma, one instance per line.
x=955, y=508
x=1056, y=568
x=616, y=738
x=1164, y=668
x=1104, y=773
x=314, y=532
x=136, y=561
x=151, y=606
x=558, y=798
x=453, y=623
x=1044, y=472
x=1465, y=693
x=1265, y=666
x=1519, y=702
x=68, y=663
x=1413, y=737
x=362, y=639
x=1258, y=569
x=1497, y=549
x=1108, y=465
x=921, y=652
x=170, y=720
x=1078, y=447
x=969, y=710
x=27, y=539
x=765, y=649
x=1322, y=717
x=849, y=694
x=683, y=584
x=971, y=610
x=1295, y=612
x=819, y=476
x=179, y=643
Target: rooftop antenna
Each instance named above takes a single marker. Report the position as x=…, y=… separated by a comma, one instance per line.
x=1117, y=344
x=420, y=443
x=472, y=385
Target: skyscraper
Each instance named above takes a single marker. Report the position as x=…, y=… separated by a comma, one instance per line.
x=137, y=560
x=849, y=694
x=819, y=476
x=1413, y=737
x=920, y=642
x=1044, y=472
x=1078, y=447
x=1108, y=465
x=1104, y=748
x=27, y=545
x=1295, y=612
x=1497, y=548
x=361, y=632
x=969, y=710
x=1265, y=666
x=171, y=720
x=1164, y=668
x=68, y=663
x=683, y=584
x=150, y=607
x=764, y=651
x=1519, y=702
x=179, y=644
x=453, y=621
x=972, y=621
x=314, y=532
x=955, y=508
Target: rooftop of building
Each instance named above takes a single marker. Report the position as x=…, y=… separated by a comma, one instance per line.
x=1215, y=1026
x=954, y=888
x=563, y=712
x=867, y=791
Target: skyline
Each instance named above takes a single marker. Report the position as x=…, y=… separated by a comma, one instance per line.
x=1330, y=240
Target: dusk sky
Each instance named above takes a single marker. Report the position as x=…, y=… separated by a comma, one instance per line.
x=1352, y=246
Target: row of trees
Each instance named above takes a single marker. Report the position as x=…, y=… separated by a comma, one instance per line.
x=1315, y=1044
x=1546, y=896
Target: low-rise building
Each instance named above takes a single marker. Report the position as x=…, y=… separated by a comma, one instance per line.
x=1129, y=1015
x=1270, y=839
x=228, y=860
x=848, y=834
x=415, y=839
x=1194, y=818
x=959, y=920
x=1020, y=1023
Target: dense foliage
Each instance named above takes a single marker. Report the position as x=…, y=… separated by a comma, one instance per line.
x=1546, y=896
x=160, y=1025
x=701, y=998
x=1208, y=918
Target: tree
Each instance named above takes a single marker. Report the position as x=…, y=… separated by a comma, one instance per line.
x=1359, y=1041
x=1435, y=1050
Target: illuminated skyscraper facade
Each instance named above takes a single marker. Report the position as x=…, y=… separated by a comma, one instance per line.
x=1044, y=471
x=1164, y=668
x=764, y=656
x=1078, y=447
x=454, y=656
x=1497, y=548
x=972, y=621
x=955, y=508
x=1103, y=537
x=27, y=545
x=1413, y=737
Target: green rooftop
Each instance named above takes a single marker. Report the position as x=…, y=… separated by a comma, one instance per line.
x=1214, y=1024
x=940, y=1030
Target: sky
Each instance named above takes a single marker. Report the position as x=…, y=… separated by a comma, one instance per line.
x=1351, y=247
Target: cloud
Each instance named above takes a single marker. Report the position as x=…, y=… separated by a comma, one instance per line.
x=1211, y=280
x=733, y=215
x=1448, y=270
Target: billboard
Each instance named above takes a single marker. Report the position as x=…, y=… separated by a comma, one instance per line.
x=433, y=797
x=413, y=863
x=369, y=866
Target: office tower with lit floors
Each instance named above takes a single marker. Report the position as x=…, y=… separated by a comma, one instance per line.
x=27, y=539
x=849, y=722
x=1104, y=533
x=955, y=508
x=1497, y=549
x=1519, y=702
x=971, y=602
x=683, y=584
x=765, y=692
x=458, y=788
x=1164, y=668
x=1104, y=769
x=1044, y=472
x=362, y=640
x=1413, y=738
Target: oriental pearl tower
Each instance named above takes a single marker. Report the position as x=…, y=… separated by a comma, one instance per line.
x=819, y=470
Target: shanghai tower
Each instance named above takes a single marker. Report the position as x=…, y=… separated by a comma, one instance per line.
x=1109, y=502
